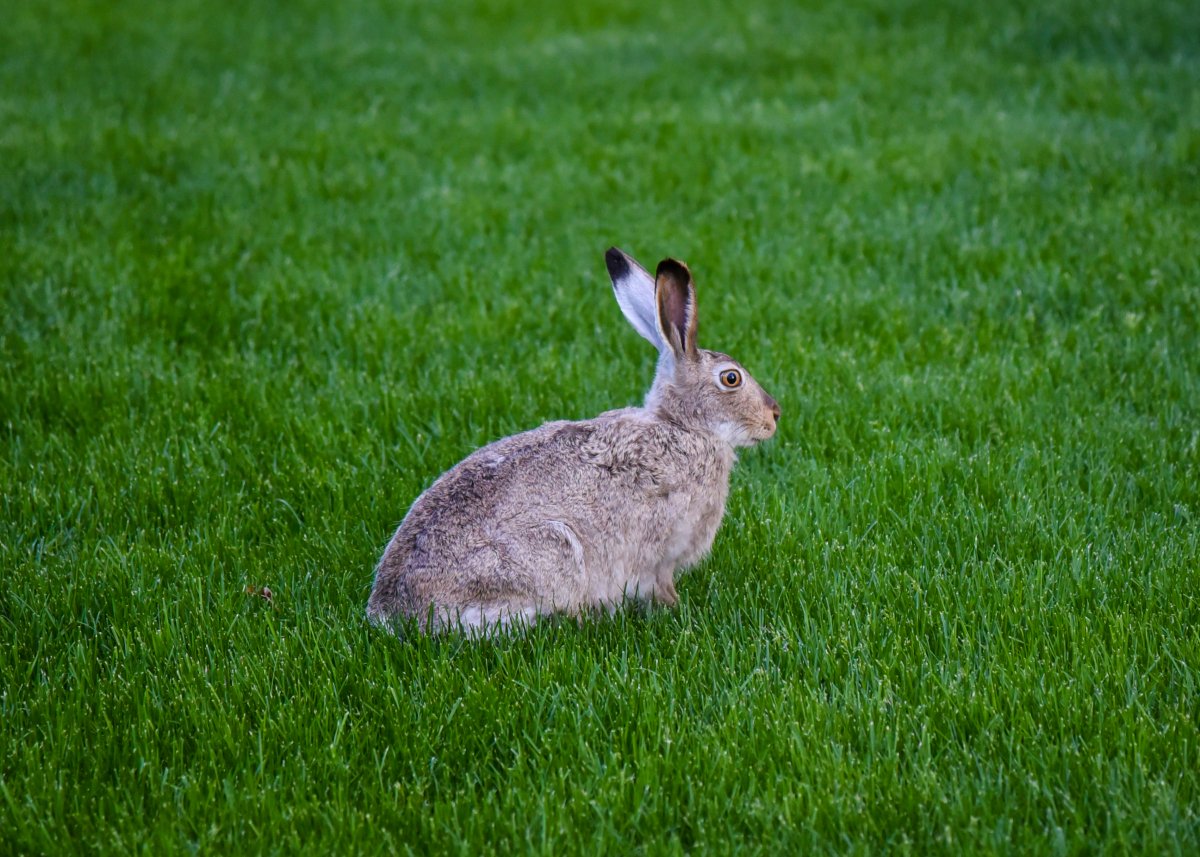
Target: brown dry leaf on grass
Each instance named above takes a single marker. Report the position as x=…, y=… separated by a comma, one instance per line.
x=263, y=592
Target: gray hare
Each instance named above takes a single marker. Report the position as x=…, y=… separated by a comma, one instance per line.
x=574, y=516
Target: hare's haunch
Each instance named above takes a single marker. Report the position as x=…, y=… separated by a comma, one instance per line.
x=579, y=515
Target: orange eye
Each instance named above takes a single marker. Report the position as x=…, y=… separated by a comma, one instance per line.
x=731, y=379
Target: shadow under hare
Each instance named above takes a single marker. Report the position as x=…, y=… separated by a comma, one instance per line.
x=575, y=516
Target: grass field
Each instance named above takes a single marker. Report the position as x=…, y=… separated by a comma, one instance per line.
x=267, y=270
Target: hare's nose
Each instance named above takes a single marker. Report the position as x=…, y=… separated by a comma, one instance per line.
x=774, y=408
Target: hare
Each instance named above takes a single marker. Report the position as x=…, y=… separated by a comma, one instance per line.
x=574, y=516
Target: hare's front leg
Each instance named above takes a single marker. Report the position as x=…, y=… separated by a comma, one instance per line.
x=655, y=586
x=664, y=591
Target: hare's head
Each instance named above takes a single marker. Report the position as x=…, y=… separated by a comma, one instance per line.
x=693, y=387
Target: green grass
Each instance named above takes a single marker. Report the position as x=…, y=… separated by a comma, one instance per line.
x=267, y=270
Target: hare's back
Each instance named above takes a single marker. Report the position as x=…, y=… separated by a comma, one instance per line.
x=515, y=477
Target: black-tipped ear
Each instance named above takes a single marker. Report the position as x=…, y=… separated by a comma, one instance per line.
x=634, y=289
x=675, y=294
x=618, y=265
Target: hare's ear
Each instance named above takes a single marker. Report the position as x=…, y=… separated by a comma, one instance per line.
x=634, y=288
x=675, y=294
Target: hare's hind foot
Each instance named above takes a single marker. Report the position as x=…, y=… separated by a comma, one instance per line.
x=474, y=622
x=481, y=621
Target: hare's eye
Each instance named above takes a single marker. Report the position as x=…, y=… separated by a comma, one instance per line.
x=731, y=378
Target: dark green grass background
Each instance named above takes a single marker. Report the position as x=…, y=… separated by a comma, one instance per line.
x=268, y=269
